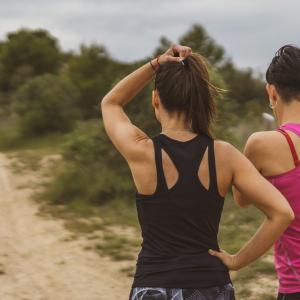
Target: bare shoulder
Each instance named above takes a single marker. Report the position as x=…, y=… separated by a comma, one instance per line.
x=261, y=139
x=223, y=148
x=225, y=153
x=262, y=142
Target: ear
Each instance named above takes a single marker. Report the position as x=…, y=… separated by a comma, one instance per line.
x=272, y=92
x=155, y=101
x=268, y=86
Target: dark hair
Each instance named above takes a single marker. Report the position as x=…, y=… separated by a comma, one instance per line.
x=186, y=88
x=284, y=72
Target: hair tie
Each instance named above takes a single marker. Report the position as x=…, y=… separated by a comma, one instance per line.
x=157, y=60
x=152, y=66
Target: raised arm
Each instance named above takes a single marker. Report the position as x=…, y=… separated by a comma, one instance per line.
x=125, y=136
x=263, y=195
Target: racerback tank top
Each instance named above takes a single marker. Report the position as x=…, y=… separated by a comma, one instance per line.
x=179, y=224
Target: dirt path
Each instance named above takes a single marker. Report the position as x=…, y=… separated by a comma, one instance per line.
x=36, y=263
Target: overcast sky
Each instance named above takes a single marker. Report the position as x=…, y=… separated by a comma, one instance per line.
x=250, y=31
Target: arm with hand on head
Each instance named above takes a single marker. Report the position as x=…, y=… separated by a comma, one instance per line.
x=263, y=195
x=124, y=135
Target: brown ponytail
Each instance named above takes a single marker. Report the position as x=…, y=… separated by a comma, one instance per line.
x=186, y=88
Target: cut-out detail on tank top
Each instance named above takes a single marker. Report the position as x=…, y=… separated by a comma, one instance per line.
x=171, y=173
x=165, y=155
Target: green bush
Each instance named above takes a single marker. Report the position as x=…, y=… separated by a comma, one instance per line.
x=46, y=104
x=25, y=54
x=92, y=171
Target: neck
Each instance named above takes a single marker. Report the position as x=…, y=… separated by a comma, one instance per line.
x=177, y=123
x=290, y=113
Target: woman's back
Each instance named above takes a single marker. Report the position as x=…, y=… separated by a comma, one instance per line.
x=180, y=223
x=144, y=172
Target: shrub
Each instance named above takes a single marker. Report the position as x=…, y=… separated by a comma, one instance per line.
x=46, y=104
x=92, y=171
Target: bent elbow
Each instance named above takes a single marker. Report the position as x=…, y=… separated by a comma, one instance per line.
x=105, y=100
x=288, y=216
x=102, y=102
x=291, y=216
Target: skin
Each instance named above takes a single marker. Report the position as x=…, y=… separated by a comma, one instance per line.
x=269, y=150
x=137, y=149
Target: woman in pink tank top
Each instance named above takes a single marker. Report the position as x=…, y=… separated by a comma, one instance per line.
x=276, y=155
x=287, y=248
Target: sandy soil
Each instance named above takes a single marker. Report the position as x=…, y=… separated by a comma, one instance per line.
x=36, y=261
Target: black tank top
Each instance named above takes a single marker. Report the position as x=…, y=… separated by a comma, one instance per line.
x=180, y=224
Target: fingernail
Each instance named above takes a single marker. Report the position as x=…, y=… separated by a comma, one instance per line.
x=211, y=251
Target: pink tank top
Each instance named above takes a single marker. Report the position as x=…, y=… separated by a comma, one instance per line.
x=287, y=247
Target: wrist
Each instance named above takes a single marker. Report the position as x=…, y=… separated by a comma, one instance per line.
x=236, y=262
x=155, y=63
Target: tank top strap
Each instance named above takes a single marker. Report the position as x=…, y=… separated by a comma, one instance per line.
x=291, y=145
x=161, y=181
x=213, y=184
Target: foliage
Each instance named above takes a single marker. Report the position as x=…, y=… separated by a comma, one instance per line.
x=93, y=71
x=46, y=104
x=93, y=171
x=198, y=39
x=25, y=54
x=243, y=86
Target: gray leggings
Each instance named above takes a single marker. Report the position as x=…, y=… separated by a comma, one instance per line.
x=225, y=292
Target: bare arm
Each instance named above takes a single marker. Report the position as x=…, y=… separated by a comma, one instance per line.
x=124, y=135
x=263, y=195
x=249, y=151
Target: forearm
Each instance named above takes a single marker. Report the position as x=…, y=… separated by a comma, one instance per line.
x=262, y=241
x=124, y=91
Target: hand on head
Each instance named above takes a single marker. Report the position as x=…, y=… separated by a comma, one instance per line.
x=175, y=53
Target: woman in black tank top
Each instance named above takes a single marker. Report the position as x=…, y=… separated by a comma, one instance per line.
x=182, y=181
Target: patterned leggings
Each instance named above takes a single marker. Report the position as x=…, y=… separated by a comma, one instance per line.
x=225, y=292
x=295, y=296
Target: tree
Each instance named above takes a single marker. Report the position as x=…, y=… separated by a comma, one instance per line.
x=94, y=71
x=25, y=54
x=46, y=104
x=198, y=39
x=164, y=44
x=242, y=85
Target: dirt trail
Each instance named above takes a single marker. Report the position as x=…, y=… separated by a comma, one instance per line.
x=36, y=263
